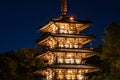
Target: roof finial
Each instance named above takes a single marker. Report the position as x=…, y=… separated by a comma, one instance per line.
x=64, y=7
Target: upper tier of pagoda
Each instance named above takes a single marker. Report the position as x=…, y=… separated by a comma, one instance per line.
x=65, y=25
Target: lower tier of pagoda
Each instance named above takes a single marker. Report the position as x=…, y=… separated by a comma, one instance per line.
x=88, y=68
x=67, y=72
x=80, y=50
x=66, y=63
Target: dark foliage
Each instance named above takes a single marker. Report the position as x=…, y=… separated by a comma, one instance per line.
x=110, y=55
x=20, y=65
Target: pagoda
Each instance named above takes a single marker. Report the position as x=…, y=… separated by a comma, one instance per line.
x=65, y=55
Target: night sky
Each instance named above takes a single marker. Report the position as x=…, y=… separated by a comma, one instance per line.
x=20, y=19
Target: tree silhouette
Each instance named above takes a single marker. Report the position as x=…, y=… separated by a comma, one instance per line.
x=20, y=65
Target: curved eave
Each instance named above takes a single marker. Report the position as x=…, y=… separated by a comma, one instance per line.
x=72, y=66
x=41, y=41
x=73, y=36
x=86, y=68
x=65, y=19
x=72, y=50
x=88, y=54
x=82, y=67
x=41, y=71
x=42, y=28
x=42, y=54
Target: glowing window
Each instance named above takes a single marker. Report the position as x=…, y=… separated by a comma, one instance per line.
x=69, y=71
x=69, y=60
x=61, y=45
x=78, y=61
x=60, y=71
x=69, y=55
x=62, y=27
x=70, y=77
x=71, y=28
x=60, y=76
x=60, y=60
x=65, y=31
x=76, y=46
x=71, y=46
x=61, y=31
x=80, y=77
x=67, y=46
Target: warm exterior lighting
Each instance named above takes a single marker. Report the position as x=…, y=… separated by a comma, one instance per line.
x=60, y=71
x=80, y=71
x=60, y=60
x=65, y=53
x=78, y=61
x=76, y=45
x=66, y=45
x=61, y=45
x=50, y=42
x=69, y=71
x=70, y=77
x=68, y=41
x=60, y=77
x=80, y=77
x=69, y=61
x=71, y=18
x=62, y=27
x=69, y=55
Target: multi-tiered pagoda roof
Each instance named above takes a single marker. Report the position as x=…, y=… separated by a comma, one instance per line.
x=65, y=54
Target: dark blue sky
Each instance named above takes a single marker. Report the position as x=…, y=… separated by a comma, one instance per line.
x=19, y=19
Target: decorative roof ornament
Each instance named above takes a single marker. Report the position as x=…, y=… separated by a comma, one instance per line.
x=64, y=7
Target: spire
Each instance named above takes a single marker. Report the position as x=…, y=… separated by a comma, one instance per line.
x=64, y=7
